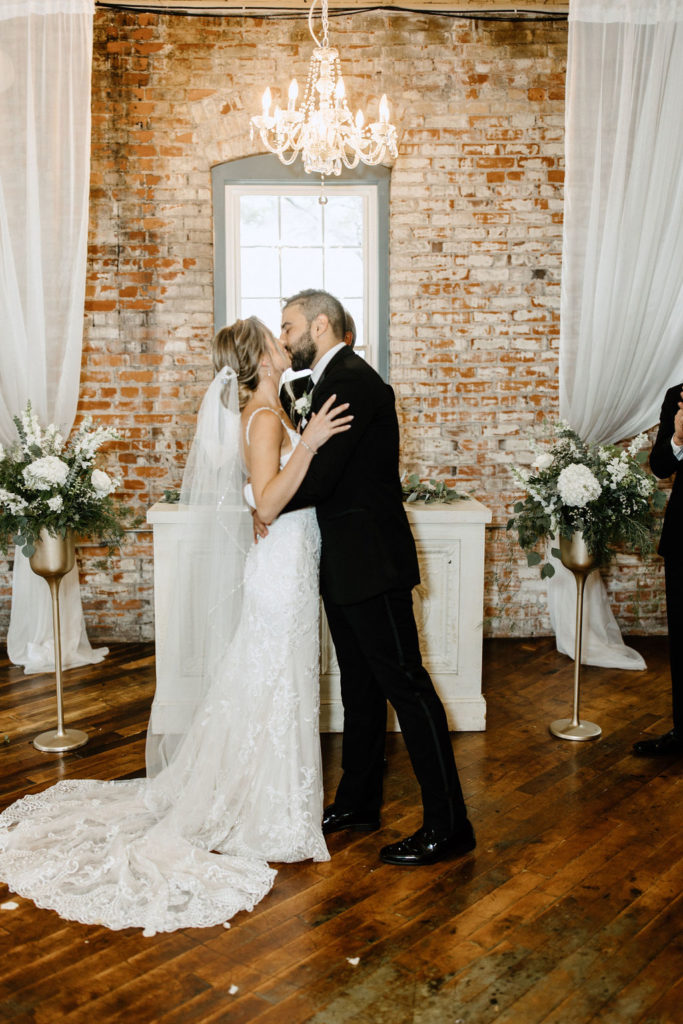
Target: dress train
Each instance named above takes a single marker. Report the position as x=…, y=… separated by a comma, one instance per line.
x=190, y=847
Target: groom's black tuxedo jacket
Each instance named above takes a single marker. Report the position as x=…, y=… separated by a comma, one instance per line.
x=664, y=464
x=353, y=481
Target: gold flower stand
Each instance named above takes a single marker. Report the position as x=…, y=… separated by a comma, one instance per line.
x=576, y=557
x=52, y=559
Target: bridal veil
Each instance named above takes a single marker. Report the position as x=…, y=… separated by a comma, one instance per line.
x=205, y=604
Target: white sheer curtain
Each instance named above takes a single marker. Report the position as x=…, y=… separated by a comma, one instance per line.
x=621, y=336
x=45, y=66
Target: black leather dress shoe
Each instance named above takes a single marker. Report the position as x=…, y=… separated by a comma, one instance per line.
x=427, y=847
x=335, y=820
x=669, y=743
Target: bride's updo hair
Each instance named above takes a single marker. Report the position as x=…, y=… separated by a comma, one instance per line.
x=241, y=347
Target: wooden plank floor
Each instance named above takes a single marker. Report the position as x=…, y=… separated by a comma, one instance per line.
x=570, y=910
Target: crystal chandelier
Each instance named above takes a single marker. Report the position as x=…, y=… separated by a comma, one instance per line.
x=323, y=129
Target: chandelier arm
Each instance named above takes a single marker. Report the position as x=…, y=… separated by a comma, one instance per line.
x=351, y=163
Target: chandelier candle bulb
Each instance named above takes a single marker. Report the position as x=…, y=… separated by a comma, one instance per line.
x=384, y=110
x=293, y=93
x=266, y=101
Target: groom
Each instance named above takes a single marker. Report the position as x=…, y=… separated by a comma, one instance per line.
x=367, y=571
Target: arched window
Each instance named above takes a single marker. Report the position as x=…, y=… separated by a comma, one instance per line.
x=273, y=237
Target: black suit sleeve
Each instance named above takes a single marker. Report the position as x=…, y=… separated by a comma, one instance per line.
x=328, y=465
x=663, y=462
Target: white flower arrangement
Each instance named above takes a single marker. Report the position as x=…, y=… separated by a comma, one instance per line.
x=601, y=490
x=45, y=483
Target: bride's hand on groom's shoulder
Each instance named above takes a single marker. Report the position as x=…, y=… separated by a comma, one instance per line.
x=324, y=424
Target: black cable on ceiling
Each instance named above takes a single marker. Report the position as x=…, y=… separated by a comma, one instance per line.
x=293, y=14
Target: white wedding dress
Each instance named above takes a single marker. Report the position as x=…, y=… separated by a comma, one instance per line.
x=189, y=848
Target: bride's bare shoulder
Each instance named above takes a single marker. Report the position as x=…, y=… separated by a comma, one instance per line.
x=267, y=425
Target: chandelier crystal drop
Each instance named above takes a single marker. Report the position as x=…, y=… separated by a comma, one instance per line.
x=323, y=129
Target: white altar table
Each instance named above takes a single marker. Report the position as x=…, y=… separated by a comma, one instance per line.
x=448, y=606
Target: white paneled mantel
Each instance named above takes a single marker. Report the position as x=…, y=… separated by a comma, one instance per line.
x=448, y=605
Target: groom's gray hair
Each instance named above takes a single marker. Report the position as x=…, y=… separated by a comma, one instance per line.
x=314, y=302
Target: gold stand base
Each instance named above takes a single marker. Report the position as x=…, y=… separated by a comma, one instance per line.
x=55, y=742
x=564, y=730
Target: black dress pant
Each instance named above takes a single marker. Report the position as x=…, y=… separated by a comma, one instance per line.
x=379, y=658
x=673, y=572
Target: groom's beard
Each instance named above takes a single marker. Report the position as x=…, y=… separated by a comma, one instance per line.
x=303, y=352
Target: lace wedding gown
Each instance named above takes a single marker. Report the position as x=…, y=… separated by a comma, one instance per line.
x=189, y=848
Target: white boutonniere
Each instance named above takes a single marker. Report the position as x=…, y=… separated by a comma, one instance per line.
x=302, y=406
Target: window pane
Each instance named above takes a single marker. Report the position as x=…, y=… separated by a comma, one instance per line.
x=301, y=268
x=267, y=310
x=302, y=222
x=259, y=220
x=344, y=272
x=344, y=220
x=260, y=272
x=288, y=241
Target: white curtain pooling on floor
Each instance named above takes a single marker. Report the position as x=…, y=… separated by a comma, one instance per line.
x=621, y=338
x=45, y=68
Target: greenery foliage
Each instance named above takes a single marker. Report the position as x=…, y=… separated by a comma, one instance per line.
x=601, y=490
x=45, y=483
x=415, y=489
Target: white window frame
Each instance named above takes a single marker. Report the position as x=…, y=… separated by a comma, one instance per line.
x=266, y=172
x=369, y=246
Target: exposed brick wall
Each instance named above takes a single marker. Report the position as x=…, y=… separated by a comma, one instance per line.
x=475, y=248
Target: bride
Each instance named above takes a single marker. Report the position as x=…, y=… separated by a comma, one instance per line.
x=238, y=783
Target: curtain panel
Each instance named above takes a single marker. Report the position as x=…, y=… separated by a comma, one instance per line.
x=621, y=333
x=45, y=69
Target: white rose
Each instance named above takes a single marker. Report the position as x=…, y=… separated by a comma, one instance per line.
x=577, y=486
x=46, y=473
x=543, y=461
x=55, y=503
x=102, y=483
